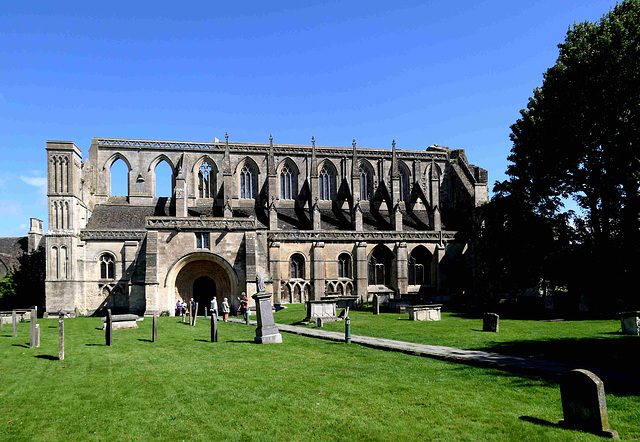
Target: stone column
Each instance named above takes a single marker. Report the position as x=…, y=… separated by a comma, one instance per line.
x=357, y=214
x=318, y=273
x=274, y=269
x=32, y=322
x=401, y=268
x=397, y=217
x=181, y=195
x=361, y=269
x=250, y=260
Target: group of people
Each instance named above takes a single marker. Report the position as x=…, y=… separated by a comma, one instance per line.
x=182, y=307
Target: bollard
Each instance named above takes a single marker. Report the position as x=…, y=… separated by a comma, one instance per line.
x=246, y=314
x=32, y=328
x=347, y=330
x=205, y=312
x=319, y=322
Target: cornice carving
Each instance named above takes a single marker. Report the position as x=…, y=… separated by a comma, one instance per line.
x=202, y=223
x=337, y=236
x=112, y=234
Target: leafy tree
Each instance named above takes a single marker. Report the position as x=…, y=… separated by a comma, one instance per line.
x=25, y=286
x=578, y=137
x=7, y=286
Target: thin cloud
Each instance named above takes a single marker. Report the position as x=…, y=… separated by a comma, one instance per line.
x=34, y=181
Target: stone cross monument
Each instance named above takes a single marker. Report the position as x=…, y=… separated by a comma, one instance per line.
x=266, y=331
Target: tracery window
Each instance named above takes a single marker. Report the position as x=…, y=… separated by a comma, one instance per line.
x=248, y=182
x=206, y=181
x=287, y=183
x=380, y=266
x=365, y=184
x=107, y=266
x=420, y=266
x=297, y=266
x=326, y=183
x=344, y=265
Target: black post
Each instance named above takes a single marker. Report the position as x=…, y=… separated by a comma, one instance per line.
x=154, y=336
x=109, y=329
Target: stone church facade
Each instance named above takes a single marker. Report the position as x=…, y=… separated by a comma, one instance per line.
x=310, y=219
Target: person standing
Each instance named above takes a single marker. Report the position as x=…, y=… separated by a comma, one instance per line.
x=226, y=308
x=178, y=308
x=214, y=306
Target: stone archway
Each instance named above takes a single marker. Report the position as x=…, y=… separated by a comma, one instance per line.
x=202, y=276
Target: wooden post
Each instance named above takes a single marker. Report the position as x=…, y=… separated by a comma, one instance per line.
x=214, y=327
x=189, y=315
x=32, y=333
x=61, y=336
x=154, y=336
x=14, y=317
x=109, y=329
x=195, y=315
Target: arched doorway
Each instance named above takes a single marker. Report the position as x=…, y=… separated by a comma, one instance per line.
x=204, y=289
x=202, y=276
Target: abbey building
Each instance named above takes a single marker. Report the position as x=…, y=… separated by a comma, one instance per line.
x=311, y=219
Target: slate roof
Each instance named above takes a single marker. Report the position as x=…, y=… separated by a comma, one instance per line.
x=127, y=217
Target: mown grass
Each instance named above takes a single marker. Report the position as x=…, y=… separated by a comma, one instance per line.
x=184, y=387
x=593, y=343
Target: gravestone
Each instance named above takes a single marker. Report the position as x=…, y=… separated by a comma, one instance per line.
x=583, y=403
x=491, y=322
x=214, y=327
x=344, y=313
x=195, y=315
x=109, y=329
x=319, y=322
x=376, y=305
x=37, y=335
x=61, y=337
x=266, y=331
x=14, y=318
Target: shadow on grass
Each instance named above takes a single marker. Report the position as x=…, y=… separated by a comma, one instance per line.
x=49, y=357
x=537, y=421
x=145, y=340
x=20, y=345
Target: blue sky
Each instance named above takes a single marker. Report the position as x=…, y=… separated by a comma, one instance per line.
x=452, y=73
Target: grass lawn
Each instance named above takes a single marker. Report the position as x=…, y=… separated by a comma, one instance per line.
x=592, y=343
x=184, y=387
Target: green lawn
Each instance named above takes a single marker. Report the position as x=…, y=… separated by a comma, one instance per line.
x=593, y=343
x=184, y=387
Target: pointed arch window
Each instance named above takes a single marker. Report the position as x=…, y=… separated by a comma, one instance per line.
x=107, y=266
x=344, y=265
x=380, y=266
x=326, y=183
x=365, y=184
x=420, y=267
x=206, y=180
x=297, y=266
x=248, y=182
x=287, y=183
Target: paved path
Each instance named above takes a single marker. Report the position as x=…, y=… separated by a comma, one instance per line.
x=615, y=378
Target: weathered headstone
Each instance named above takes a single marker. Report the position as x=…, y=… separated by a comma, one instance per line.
x=266, y=332
x=376, y=305
x=490, y=322
x=32, y=328
x=109, y=329
x=154, y=333
x=61, y=336
x=214, y=327
x=14, y=318
x=37, y=335
x=584, y=404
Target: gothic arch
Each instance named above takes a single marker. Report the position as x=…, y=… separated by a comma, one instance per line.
x=113, y=158
x=288, y=183
x=157, y=160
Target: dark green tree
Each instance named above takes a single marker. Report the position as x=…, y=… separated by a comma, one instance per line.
x=578, y=138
